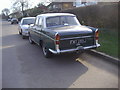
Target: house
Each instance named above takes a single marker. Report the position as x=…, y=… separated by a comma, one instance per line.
x=58, y=6
x=107, y=3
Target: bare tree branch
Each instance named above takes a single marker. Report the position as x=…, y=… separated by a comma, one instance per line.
x=20, y=5
x=6, y=11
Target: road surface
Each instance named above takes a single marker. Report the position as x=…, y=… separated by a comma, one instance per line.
x=24, y=66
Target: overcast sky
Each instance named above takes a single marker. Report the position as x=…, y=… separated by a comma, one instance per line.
x=8, y=3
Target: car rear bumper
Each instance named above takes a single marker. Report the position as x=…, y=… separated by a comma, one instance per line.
x=25, y=33
x=74, y=50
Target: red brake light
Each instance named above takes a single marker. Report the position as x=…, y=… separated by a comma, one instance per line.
x=96, y=35
x=57, y=38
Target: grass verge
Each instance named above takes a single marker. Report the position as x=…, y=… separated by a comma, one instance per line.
x=109, y=42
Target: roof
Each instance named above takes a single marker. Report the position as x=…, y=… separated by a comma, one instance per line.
x=55, y=3
x=28, y=17
x=56, y=14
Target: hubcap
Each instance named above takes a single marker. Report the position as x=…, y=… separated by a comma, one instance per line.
x=44, y=50
x=30, y=39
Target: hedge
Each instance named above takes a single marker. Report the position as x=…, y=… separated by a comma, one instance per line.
x=100, y=16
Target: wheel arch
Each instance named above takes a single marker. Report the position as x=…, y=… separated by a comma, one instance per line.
x=40, y=42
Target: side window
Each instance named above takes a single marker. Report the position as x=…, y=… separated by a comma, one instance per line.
x=36, y=21
x=21, y=21
x=40, y=23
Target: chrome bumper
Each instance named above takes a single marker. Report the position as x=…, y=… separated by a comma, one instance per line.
x=25, y=33
x=73, y=50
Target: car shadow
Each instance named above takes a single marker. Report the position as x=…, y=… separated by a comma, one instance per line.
x=60, y=71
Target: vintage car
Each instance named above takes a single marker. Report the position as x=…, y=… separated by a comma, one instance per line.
x=14, y=21
x=24, y=25
x=61, y=33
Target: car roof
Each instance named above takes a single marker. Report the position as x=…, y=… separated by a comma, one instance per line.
x=55, y=14
x=28, y=17
x=14, y=18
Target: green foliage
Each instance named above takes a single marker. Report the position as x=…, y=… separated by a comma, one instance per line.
x=105, y=16
x=109, y=42
x=35, y=11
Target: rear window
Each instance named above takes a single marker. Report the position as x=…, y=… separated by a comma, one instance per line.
x=61, y=21
x=28, y=21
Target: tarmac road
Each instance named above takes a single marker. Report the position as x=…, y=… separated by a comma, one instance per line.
x=24, y=66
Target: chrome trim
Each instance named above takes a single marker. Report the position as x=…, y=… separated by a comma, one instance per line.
x=96, y=30
x=25, y=34
x=56, y=33
x=57, y=48
x=76, y=37
x=98, y=45
x=53, y=51
x=35, y=41
x=96, y=41
x=72, y=50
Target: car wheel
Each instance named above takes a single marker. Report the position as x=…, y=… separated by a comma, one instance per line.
x=23, y=37
x=20, y=33
x=46, y=52
x=30, y=40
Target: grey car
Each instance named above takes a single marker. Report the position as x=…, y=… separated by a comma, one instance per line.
x=24, y=25
x=14, y=21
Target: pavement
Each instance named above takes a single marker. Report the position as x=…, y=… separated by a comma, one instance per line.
x=104, y=56
x=24, y=66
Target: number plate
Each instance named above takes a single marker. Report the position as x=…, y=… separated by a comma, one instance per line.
x=80, y=41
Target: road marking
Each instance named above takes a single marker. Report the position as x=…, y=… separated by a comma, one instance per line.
x=83, y=62
x=4, y=47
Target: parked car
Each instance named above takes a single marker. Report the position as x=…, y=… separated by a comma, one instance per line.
x=61, y=33
x=9, y=19
x=24, y=25
x=14, y=21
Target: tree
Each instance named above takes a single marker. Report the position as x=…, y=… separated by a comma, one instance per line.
x=42, y=7
x=6, y=11
x=20, y=5
x=37, y=10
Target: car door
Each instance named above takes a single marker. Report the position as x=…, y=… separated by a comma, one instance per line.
x=34, y=29
x=39, y=28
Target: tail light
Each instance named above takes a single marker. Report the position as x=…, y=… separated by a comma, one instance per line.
x=96, y=35
x=57, y=38
x=57, y=42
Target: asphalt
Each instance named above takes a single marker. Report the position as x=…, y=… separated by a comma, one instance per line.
x=24, y=66
x=0, y=54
